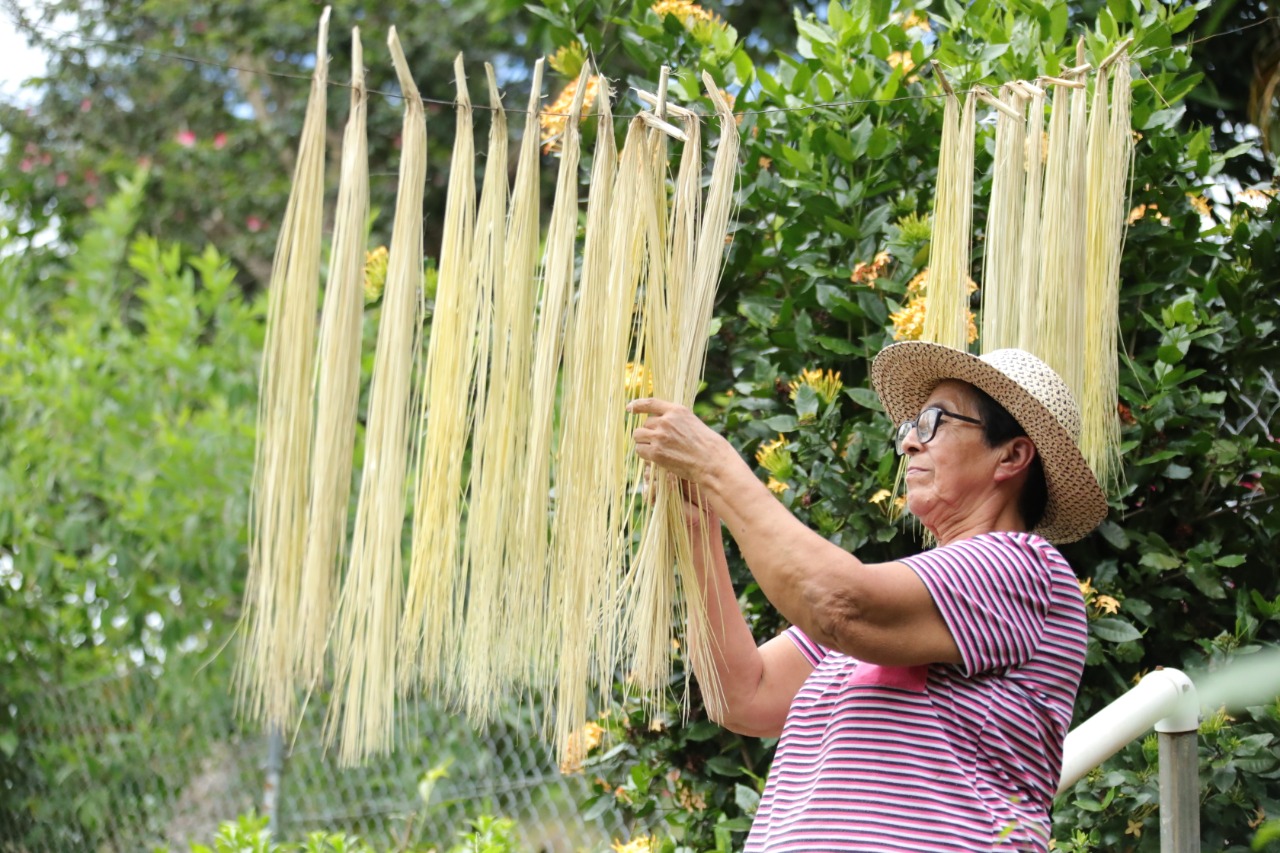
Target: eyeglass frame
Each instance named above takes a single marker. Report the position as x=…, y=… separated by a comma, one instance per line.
x=906, y=426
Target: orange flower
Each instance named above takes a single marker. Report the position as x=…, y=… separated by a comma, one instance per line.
x=554, y=117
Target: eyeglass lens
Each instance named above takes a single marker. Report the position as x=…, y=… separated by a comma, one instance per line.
x=924, y=424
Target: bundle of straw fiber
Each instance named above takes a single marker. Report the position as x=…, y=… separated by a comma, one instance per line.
x=445, y=421
x=338, y=387
x=1060, y=324
x=281, y=475
x=946, y=318
x=529, y=601
x=1005, y=218
x=498, y=461
x=677, y=324
x=590, y=632
x=1023, y=292
x=575, y=645
x=369, y=610
x=1110, y=157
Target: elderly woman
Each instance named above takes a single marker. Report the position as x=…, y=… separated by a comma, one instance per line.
x=922, y=703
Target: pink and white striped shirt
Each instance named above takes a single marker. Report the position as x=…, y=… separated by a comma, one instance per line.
x=942, y=757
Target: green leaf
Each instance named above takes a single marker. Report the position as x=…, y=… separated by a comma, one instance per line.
x=747, y=799
x=724, y=766
x=1230, y=561
x=1114, y=630
x=813, y=32
x=1114, y=534
x=1160, y=560
x=864, y=397
x=839, y=346
x=782, y=423
x=1177, y=472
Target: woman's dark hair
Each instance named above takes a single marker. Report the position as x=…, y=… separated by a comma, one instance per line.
x=998, y=426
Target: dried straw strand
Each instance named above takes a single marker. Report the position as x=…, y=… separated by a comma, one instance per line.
x=446, y=409
x=946, y=319
x=1027, y=286
x=498, y=460
x=338, y=387
x=266, y=686
x=1060, y=324
x=578, y=587
x=369, y=610
x=532, y=579
x=1110, y=157
x=1001, y=260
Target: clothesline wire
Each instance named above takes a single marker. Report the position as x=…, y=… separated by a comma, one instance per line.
x=287, y=75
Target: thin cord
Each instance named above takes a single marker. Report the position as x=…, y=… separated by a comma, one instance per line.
x=285, y=75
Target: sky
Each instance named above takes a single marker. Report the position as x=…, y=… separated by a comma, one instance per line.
x=18, y=60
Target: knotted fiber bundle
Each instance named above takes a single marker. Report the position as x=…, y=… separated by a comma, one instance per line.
x=338, y=387
x=281, y=473
x=369, y=610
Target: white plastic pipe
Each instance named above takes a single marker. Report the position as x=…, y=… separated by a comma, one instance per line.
x=1165, y=699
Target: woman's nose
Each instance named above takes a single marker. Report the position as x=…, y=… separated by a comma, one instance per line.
x=911, y=442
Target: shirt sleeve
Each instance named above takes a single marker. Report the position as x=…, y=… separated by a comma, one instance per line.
x=993, y=593
x=812, y=652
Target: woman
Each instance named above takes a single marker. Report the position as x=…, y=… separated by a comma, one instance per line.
x=921, y=703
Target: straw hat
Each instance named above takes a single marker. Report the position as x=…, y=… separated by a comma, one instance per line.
x=905, y=374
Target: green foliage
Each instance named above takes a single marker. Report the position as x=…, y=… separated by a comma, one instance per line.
x=1182, y=574
x=249, y=834
x=127, y=382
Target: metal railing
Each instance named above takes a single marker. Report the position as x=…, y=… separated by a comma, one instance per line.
x=1166, y=700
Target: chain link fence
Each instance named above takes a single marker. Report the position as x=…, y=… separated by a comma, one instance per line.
x=148, y=761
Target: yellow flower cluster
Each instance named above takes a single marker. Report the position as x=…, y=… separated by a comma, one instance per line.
x=688, y=12
x=579, y=747
x=1099, y=602
x=825, y=385
x=644, y=844
x=774, y=457
x=638, y=380
x=867, y=273
x=375, y=273
x=892, y=508
x=554, y=118
x=908, y=323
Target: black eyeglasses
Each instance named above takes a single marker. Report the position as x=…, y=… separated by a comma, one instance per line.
x=926, y=425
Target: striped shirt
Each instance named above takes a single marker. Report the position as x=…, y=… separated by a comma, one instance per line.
x=961, y=757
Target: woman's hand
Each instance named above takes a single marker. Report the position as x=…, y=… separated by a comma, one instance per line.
x=676, y=440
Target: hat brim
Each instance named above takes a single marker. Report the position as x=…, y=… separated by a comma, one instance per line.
x=905, y=374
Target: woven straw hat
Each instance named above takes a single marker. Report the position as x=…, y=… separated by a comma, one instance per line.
x=905, y=374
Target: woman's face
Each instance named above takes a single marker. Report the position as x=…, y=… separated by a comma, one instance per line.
x=951, y=476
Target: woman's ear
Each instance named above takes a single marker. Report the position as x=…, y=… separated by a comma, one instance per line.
x=1015, y=457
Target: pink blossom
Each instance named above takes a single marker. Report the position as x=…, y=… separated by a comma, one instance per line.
x=253, y=223
x=86, y=105
x=46, y=158
x=91, y=177
x=60, y=180
x=91, y=200
x=186, y=138
x=27, y=164
x=219, y=141
x=144, y=162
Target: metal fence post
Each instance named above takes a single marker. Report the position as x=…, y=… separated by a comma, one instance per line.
x=1179, y=793
x=1180, y=775
x=274, y=774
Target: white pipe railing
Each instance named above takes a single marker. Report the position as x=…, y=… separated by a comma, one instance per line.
x=1165, y=699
